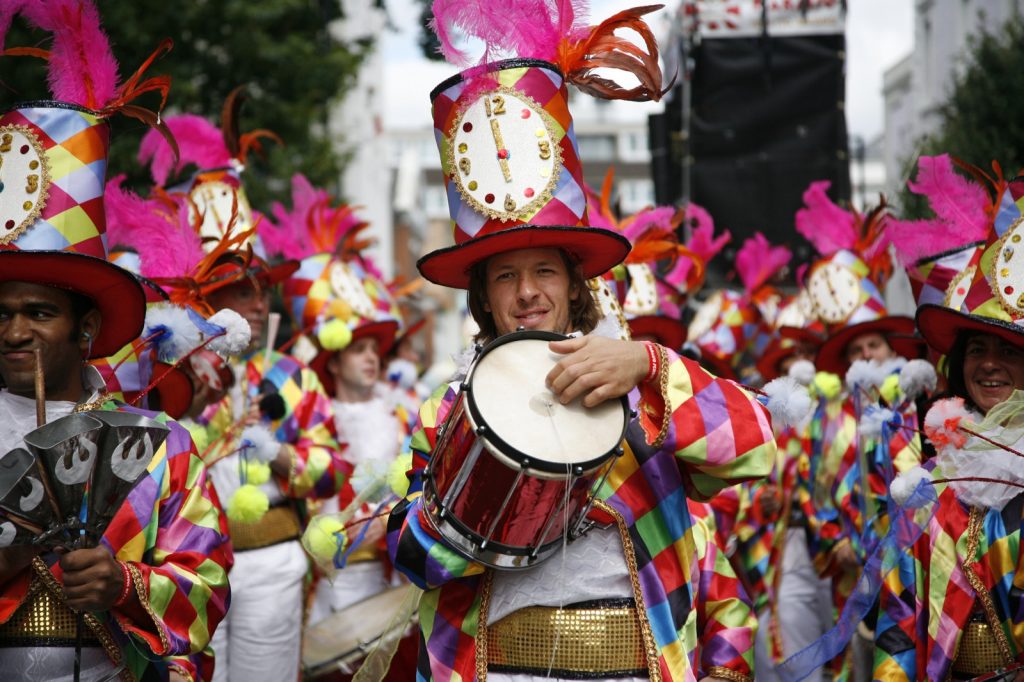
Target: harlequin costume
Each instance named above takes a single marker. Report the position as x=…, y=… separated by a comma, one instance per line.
x=255, y=641
x=337, y=297
x=952, y=605
x=678, y=609
x=170, y=532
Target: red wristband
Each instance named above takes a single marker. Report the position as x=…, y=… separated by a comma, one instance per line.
x=126, y=590
x=652, y=361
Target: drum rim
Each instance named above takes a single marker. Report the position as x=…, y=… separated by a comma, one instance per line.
x=495, y=440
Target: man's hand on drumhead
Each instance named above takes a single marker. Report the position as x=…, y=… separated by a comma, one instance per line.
x=596, y=368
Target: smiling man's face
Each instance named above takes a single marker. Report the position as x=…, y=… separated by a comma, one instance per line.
x=993, y=368
x=529, y=288
x=35, y=316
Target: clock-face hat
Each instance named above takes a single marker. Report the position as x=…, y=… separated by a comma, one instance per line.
x=54, y=157
x=844, y=285
x=994, y=300
x=508, y=148
x=337, y=295
x=215, y=197
x=735, y=328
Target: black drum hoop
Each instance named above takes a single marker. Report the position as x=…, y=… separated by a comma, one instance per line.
x=521, y=458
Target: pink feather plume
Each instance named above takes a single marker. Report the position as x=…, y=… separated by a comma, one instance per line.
x=161, y=235
x=199, y=142
x=82, y=67
x=758, y=261
x=826, y=226
x=512, y=28
x=961, y=210
x=658, y=219
x=703, y=241
x=312, y=225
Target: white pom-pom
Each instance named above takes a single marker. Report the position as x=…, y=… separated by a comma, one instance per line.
x=802, y=372
x=949, y=411
x=888, y=368
x=862, y=374
x=788, y=401
x=370, y=479
x=236, y=338
x=402, y=372
x=917, y=377
x=260, y=443
x=177, y=334
x=871, y=421
x=904, y=485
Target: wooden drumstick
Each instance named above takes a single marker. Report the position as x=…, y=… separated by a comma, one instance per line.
x=40, y=389
x=273, y=323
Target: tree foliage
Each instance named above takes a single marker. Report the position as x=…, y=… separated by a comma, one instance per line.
x=281, y=50
x=981, y=121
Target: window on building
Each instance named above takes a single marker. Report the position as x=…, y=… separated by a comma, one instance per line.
x=596, y=147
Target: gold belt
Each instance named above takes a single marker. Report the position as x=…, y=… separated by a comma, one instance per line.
x=279, y=524
x=592, y=640
x=979, y=652
x=43, y=620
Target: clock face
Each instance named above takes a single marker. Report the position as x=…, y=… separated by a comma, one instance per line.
x=1009, y=270
x=24, y=180
x=706, y=316
x=503, y=154
x=348, y=286
x=214, y=201
x=835, y=292
x=958, y=287
x=642, y=297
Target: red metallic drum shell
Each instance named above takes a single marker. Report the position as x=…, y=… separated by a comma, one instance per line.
x=478, y=500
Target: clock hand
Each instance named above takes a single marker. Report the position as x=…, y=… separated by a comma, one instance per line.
x=502, y=151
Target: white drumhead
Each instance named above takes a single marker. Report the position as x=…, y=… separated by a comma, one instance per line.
x=515, y=404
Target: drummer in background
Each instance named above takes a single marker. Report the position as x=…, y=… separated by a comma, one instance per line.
x=278, y=404
x=338, y=299
x=523, y=252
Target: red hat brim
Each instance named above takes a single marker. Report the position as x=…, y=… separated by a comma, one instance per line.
x=767, y=365
x=174, y=389
x=275, y=274
x=115, y=291
x=385, y=335
x=666, y=331
x=940, y=327
x=596, y=250
x=832, y=354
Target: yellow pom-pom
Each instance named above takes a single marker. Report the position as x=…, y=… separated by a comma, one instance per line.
x=248, y=504
x=324, y=539
x=257, y=473
x=397, y=480
x=890, y=389
x=827, y=385
x=335, y=335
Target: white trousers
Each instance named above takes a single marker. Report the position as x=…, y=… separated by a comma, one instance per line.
x=804, y=608
x=260, y=638
x=352, y=584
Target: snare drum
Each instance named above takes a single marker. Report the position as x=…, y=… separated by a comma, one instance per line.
x=514, y=469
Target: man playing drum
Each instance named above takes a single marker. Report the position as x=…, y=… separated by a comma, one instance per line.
x=644, y=593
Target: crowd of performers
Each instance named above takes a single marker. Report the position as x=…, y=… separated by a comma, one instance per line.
x=799, y=484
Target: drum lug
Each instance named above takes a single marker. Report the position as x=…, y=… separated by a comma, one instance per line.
x=619, y=452
x=481, y=430
x=633, y=414
x=577, y=471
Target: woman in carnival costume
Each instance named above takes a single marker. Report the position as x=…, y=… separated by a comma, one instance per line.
x=953, y=605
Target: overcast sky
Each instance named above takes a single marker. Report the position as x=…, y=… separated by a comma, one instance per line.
x=879, y=33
